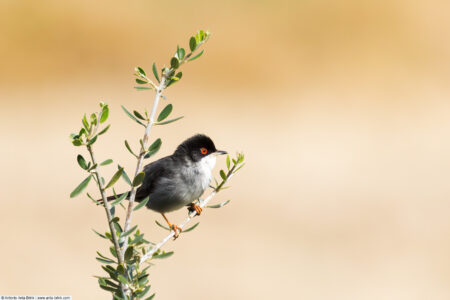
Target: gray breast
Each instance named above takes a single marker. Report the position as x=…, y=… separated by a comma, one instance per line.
x=182, y=189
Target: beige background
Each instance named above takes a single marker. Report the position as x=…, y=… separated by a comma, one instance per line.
x=341, y=107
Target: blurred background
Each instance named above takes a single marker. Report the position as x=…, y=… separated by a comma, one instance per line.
x=341, y=107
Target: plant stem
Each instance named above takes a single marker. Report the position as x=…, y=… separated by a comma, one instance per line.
x=108, y=211
x=140, y=162
x=191, y=215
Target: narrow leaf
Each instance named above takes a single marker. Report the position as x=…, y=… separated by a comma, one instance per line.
x=142, y=88
x=80, y=187
x=129, y=148
x=114, y=179
x=223, y=175
x=104, y=114
x=192, y=44
x=131, y=116
x=105, y=261
x=106, y=162
x=104, y=130
x=154, y=148
x=162, y=226
x=190, y=228
x=124, y=234
x=119, y=199
x=138, y=115
x=82, y=162
x=165, y=112
x=151, y=297
x=219, y=205
x=169, y=121
x=140, y=70
x=99, y=234
x=163, y=255
x=143, y=203
x=91, y=141
x=129, y=253
x=174, y=63
x=138, y=179
x=140, y=81
x=228, y=162
x=155, y=72
x=126, y=178
x=122, y=279
x=197, y=56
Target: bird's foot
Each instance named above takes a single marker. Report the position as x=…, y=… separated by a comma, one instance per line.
x=196, y=208
x=177, y=231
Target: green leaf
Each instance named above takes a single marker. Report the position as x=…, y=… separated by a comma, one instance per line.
x=138, y=179
x=129, y=148
x=197, y=56
x=174, y=63
x=179, y=75
x=104, y=114
x=106, y=162
x=118, y=228
x=126, y=178
x=104, y=130
x=154, y=148
x=82, y=162
x=169, y=121
x=141, y=204
x=114, y=179
x=140, y=81
x=80, y=187
x=122, y=279
x=163, y=255
x=120, y=269
x=99, y=234
x=105, y=261
x=85, y=122
x=228, y=162
x=140, y=71
x=142, y=88
x=181, y=53
x=162, y=226
x=192, y=44
x=190, y=228
x=138, y=115
x=151, y=297
x=119, y=199
x=131, y=116
x=144, y=292
x=94, y=119
x=91, y=141
x=77, y=142
x=124, y=234
x=129, y=253
x=155, y=72
x=223, y=175
x=165, y=112
x=219, y=205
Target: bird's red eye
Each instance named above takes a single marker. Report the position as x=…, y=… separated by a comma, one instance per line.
x=203, y=151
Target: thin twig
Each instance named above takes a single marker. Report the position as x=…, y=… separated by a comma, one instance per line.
x=108, y=211
x=140, y=162
x=191, y=215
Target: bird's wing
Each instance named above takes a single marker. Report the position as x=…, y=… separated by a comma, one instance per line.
x=153, y=173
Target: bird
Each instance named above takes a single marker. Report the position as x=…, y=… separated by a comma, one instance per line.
x=178, y=180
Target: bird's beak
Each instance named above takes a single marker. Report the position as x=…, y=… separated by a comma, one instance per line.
x=220, y=152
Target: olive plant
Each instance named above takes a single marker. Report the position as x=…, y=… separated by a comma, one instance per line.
x=126, y=267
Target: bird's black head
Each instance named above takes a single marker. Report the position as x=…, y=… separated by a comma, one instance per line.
x=197, y=147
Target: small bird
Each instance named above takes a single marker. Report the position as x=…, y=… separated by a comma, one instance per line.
x=179, y=179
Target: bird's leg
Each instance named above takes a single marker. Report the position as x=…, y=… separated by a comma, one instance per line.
x=174, y=227
x=195, y=207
